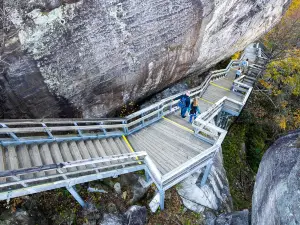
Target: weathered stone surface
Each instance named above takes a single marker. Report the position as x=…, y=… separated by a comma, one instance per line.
x=137, y=190
x=66, y=57
x=112, y=219
x=276, y=196
x=136, y=215
x=214, y=195
x=233, y=218
x=20, y=217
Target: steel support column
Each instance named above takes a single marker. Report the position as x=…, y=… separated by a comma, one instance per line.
x=74, y=193
x=206, y=173
x=147, y=176
x=161, y=199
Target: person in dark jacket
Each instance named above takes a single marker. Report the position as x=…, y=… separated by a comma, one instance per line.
x=184, y=103
x=194, y=110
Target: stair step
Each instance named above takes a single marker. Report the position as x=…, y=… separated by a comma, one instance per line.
x=106, y=147
x=36, y=159
x=85, y=153
x=100, y=150
x=12, y=158
x=76, y=153
x=114, y=148
x=56, y=155
x=47, y=157
x=92, y=150
x=66, y=155
x=24, y=160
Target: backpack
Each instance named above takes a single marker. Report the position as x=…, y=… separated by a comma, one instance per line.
x=193, y=110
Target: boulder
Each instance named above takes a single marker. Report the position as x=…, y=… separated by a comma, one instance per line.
x=112, y=219
x=276, y=195
x=133, y=183
x=234, y=218
x=136, y=215
x=73, y=58
x=20, y=217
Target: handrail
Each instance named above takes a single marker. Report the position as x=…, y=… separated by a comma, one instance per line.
x=137, y=161
x=83, y=162
x=61, y=120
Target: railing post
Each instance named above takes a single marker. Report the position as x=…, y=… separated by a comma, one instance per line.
x=79, y=131
x=125, y=128
x=103, y=129
x=74, y=193
x=47, y=131
x=143, y=121
x=206, y=173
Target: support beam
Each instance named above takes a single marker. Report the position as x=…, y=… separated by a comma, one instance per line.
x=76, y=196
x=206, y=173
x=162, y=199
x=147, y=176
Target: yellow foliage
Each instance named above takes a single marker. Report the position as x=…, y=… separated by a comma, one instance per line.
x=265, y=84
x=297, y=118
x=236, y=55
x=282, y=123
x=284, y=104
x=295, y=5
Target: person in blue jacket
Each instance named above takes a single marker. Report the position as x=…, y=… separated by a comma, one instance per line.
x=184, y=103
x=194, y=110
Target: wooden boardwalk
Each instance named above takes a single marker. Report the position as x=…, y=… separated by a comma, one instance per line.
x=169, y=141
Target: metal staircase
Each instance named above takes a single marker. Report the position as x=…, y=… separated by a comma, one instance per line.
x=40, y=155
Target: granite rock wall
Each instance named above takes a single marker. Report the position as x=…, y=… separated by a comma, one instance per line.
x=66, y=58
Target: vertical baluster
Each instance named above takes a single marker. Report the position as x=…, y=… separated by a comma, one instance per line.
x=47, y=131
x=78, y=130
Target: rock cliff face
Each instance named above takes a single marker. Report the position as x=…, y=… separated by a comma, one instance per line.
x=62, y=57
x=276, y=197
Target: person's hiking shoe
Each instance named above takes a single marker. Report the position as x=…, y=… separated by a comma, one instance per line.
x=183, y=116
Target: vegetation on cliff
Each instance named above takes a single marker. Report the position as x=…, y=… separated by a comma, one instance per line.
x=272, y=110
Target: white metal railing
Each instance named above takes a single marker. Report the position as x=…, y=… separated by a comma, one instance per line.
x=60, y=172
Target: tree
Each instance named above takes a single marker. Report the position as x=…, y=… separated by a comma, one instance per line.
x=284, y=38
x=282, y=75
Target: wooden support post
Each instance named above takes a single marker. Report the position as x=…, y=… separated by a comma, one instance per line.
x=206, y=173
x=74, y=193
